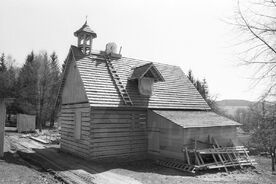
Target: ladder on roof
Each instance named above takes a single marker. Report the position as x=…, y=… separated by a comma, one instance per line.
x=118, y=83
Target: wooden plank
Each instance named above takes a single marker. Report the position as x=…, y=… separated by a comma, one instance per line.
x=72, y=110
x=116, y=121
x=221, y=160
x=118, y=139
x=119, y=151
x=187, y=156
x=68, y=125
x=81, y=147
x=71, y=139
x=122, y=110
x=113, y=130
x=2, y=126
x=74, y=151
x=84, y=119
x=120, y=134
x=118, y=116
x=113, y=125
x=119, y=147
x=116, y=143
x=71, y=134
x=137, y=154
x=72, y=122
x=71, y=131
x=76, y=105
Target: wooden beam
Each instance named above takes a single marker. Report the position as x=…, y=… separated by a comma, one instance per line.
x=187, y=156
x=2, y=126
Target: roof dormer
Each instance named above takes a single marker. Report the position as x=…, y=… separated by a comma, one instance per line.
x=146, y=75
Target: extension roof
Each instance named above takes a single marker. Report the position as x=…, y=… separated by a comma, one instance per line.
x=196, y=119
x=175, y=92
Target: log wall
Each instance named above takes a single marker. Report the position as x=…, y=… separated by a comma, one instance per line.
x=118, y=134
x=168, y=139
x=67, y=120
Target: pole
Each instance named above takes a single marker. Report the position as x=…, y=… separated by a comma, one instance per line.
x=2, y=126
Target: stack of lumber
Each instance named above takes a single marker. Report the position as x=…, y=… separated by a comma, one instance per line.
x=218, y=156
x=222, y=157
x=214, y=157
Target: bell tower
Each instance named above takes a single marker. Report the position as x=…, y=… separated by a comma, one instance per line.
x=85, y=37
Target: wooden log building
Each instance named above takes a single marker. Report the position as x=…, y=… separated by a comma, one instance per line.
x=117, y=107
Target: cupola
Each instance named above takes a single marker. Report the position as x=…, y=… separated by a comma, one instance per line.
x=85, y=37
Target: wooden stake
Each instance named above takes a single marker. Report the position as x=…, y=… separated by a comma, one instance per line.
x=221, y=159
x=2, y=126
x=196, y=158
x=187, y=156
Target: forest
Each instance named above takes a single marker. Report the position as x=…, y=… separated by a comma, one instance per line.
x=33, y=86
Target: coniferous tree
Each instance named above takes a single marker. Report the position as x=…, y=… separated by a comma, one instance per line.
x=55, y=79
x=27, y=85
x=3, y=66
x=202, y=88
x=7, y=79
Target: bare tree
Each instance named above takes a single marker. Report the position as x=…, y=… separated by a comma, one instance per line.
x=257, y=22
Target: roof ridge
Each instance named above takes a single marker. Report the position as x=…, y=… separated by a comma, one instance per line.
x=154, y=62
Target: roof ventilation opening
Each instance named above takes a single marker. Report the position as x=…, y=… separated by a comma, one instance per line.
x=146, y=75
x=111, y=50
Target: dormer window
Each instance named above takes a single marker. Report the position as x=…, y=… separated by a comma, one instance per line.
x=146, y=75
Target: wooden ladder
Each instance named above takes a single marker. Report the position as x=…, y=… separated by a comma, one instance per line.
x=118, y=83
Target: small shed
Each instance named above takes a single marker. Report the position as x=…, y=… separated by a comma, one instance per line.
x=119, y=107
x=25, y=123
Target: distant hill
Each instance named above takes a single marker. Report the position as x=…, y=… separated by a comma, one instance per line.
x=234, y=102
x=231, y=105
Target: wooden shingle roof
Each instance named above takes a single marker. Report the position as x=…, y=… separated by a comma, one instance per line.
x=196, y=119
x=85, y=28
x=176, y=92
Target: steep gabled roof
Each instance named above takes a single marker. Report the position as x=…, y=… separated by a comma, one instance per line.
x=148, y=68
x=176, y=92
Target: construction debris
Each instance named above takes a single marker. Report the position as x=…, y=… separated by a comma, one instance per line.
x=214, y=157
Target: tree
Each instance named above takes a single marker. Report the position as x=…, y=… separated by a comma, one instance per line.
x=202, y=88
x=3, y=66
x=38, y=86
x=55, y=78
x=257, y=22
x=191, y=76
x=27, y=85
x=7, y=78
x=264, y=135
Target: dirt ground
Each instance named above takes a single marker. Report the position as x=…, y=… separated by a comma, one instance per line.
x=148, y=173
x=14, y=170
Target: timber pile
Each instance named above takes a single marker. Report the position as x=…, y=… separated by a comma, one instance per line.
x=214, y=157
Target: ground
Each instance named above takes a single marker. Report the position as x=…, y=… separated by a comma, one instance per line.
x=26, y=167
x=148, y=173
x=14, y=170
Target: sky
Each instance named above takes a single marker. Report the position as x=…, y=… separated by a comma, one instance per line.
x=191, y=34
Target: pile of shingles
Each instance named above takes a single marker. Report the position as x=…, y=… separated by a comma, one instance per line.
x=214, y=157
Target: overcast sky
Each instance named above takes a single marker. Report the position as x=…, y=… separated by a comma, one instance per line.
x=190, y=34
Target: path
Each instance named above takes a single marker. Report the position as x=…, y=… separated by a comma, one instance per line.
x=70, y=168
